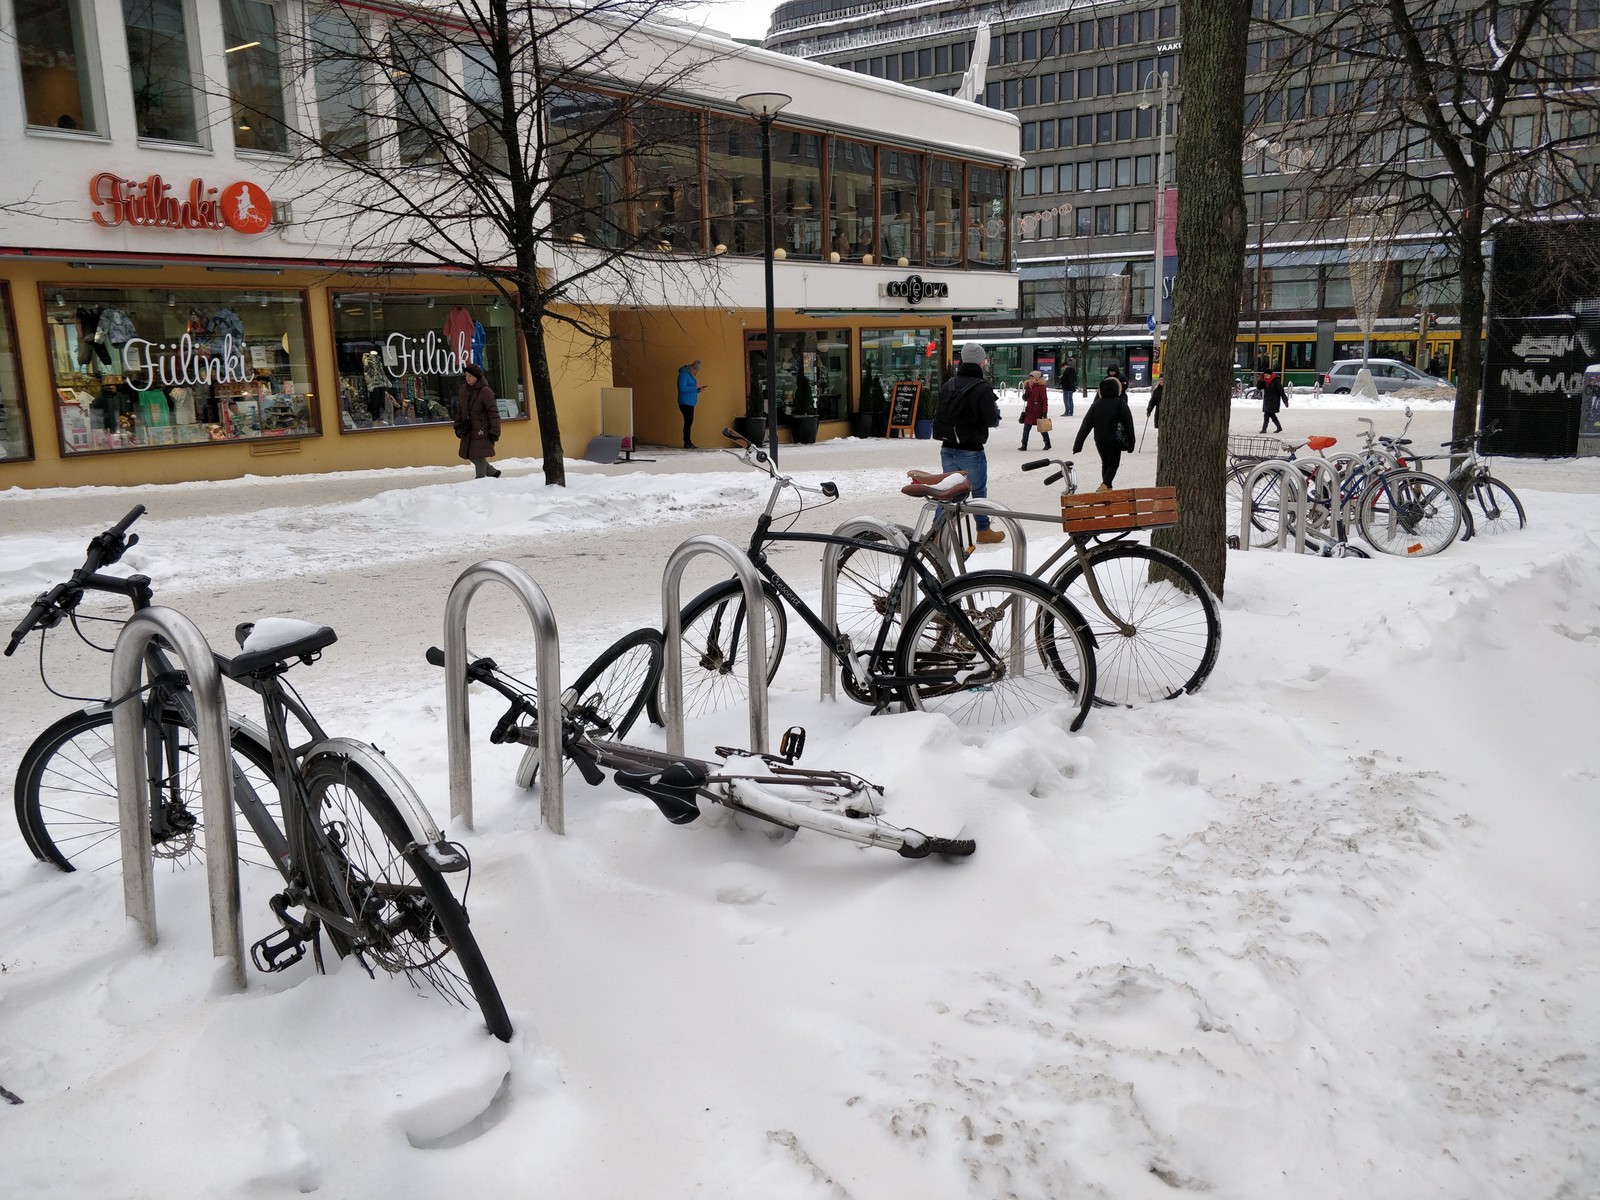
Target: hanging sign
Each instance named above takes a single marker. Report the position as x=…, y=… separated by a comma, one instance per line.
x=914, y=289
x=903, y=397
x=242, y=206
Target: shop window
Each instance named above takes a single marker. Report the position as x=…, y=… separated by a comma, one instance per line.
x=796, y=192
x=666, y=157
x=583, y=146
x=941, y=216
x=852, y=204
x=14, y=440
x=139, y=367
x=255, y=78
x=815, y=364
x=55, y=46
x=400, y=356
x=340, y=78
x=897, y=199
x=893, y=356
x=987, y=225
x=161, y=67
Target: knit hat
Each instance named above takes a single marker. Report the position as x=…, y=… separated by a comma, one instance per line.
x=972, y=352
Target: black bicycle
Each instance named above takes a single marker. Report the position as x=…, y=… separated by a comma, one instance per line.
x=360, y=857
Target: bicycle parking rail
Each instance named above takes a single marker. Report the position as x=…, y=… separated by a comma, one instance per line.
x=755, y=610
x=1324, y=473
x=854, y=528
x=547, y=679
x=216, y=778
x=1019, y=556
x=1291, y=481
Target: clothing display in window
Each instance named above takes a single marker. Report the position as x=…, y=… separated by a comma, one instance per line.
x=458, y=331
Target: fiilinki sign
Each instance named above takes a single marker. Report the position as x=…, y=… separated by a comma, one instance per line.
x=914, y=289
x=184, y=363
x=404, y=354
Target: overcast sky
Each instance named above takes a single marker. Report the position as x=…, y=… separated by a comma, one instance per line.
x=740, y=18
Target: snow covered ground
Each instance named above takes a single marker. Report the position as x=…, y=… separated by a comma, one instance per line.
x=1326, y=929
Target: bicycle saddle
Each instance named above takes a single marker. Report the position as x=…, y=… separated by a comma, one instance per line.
x=274, y=640
x=1320, y=442
x=672, y=790
x=928, y=485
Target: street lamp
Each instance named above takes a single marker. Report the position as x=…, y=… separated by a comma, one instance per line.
x=1161, y=205
x=763, y=106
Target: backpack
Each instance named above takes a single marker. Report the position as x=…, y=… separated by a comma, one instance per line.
x=959, y=408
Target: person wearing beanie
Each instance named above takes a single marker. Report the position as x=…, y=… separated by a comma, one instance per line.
x=477, y=421
x=968, y=409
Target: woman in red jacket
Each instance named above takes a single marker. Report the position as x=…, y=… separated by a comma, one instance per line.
x=1035, y=405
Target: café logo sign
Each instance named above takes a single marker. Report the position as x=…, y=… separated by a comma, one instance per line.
x=184, y=363
x=242, y=207
x=914, y=289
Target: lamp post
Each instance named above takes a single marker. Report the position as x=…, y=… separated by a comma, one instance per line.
x=1161, y=206
x=763, y=106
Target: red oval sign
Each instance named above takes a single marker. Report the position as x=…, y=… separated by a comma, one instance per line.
x=245, y=207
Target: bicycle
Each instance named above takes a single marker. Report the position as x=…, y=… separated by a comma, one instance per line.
x=1470, y=479
x=598, y=710
x=964, y=650
x=1155, y=624
x=357, y=850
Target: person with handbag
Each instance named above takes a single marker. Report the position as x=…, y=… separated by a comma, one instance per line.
x=477, y=421
x=1111, y=422
x=1035, y=409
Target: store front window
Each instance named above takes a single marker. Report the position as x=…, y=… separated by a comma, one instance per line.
x=796, y=192
x=813, y=372
x=400, y=356
x=897, y=355
x=13, y=418
x=852, y=201
x=56, y=50
x=141, y=367
x=583, y=143
x=733, y=179
x=666, y=154
x=986, y=216
x=162, y=69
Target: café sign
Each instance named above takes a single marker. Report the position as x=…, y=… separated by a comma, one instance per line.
x=152, y=203
x=914, y=289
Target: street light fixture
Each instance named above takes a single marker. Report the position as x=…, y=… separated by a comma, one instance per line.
x=764, y=106
x=1165, y=82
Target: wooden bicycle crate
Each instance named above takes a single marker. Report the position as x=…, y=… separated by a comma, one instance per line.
x=1126, y=508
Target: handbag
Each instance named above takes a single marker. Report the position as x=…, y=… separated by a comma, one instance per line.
x=463, y=427
x=1044, y=424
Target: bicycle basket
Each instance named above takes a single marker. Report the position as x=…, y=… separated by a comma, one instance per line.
x=1126, y=508
x=1254, y=445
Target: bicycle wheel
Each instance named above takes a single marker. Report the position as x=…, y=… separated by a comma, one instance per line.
x=66, y=794
x=1493, y=507
x=361, y=862
x=1408, y=514
x=864, y=581
x=614, y=688
x=712, y=637
x=1176, y=626
x=1264, y=505
x=1038, y=651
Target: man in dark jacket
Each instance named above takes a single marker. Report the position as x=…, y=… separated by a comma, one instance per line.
x=476, y=405
x=1069, y=384
x=968, y=409
x=1111, y=423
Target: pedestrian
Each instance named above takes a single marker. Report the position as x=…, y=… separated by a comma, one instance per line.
x=1069, y=385
x=1112, y=372
x=1035, y=409
x=1111, y=423
x=1153, y=409
x=477, y=421
x=968, y=409
x=1272, y=395
x=689, y=389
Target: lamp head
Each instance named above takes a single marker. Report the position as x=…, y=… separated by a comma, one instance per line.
x=764, y=105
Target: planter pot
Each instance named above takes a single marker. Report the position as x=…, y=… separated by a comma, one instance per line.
x=924, y=429
x=752, y=429
x=861, y=425
x=880, y=423
x=803, y=428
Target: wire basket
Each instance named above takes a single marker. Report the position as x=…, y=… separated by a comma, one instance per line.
x=1255, y=445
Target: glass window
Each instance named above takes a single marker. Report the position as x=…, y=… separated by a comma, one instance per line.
x=908, y=64
x=941, y=60
x=1107, y=32
x=162, y=70
x=796, y=191
x=341, y=83
x=1147, y=25
x=1065, y=84
x=1047, y=89
x=1123, y=218
x=1030, y=45
x=666, y=163
x=1030, y=136
x=480, y=89
x=902, y=177
x=941, y=214
x=1124, y=172
x=584, y=145
x=1102, y=127
x=1030, y=92
x=814, y=364
x=1030, y=181
x=400, y=356
x=1143, y=165
x=892, y=356
x=255, y=76
x=1104, y=80
x=140, y=367
x=1141, y=216
x=1102, y=174
x=1125, y=29
x=1102, y=218
x=1125, y=77
x=1167, y=20
x=1085, y=35
x=1086, y=129
x=852, y=203
x=925, y=61
x=733, y=182
x=986, y=216
x=891, y=67
x=1085, y=177
x=419, y=102
x=958, y=56
x=1085, y=83
x=56, y=47
x=1066, y=38
x=1047, y=135
x=1047, y=180
x=1008, y=93
x=1144, y=123
x=14, y=440
x=1013, y=48
x=1124, y=124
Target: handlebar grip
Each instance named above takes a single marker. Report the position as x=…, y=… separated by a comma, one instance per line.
x=1053, y=477
x=435, y=656
x=735, y=438
x=1036, y=464
x=134, y=514
x=23, y=630
x=588, y=766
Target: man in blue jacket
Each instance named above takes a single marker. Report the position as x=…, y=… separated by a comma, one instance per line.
x=689, y=389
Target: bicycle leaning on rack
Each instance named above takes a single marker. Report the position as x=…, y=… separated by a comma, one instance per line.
x=1488, y=504
x=987, y=647
x=358, y=852
x=1156, y=625
x=606, y=700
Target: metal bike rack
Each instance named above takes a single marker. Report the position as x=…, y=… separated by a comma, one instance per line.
x=1327, y=475
x=216, y=778
x=1019, y=564
x=547, y=678
x=1290, y=482
x=755, y=628
x=855, y=527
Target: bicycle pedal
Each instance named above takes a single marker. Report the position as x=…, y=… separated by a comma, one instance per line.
x=278, y=951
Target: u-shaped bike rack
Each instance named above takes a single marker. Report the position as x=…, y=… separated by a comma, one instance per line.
x=216, y=778
x=755, y=629
x=1290, y=483
x=547, y=678
x=1325, y=474
x=1019, y=556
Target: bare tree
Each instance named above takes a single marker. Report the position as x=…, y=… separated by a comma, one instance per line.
x=1458, y=117
x=525, y=142
x=1090, y=303
x=1211, y=233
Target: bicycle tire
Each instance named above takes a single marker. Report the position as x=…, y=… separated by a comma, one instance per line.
x=863, y=582
x=66, y=794
x=1501, y=510
x=1409, y=514
x=614, y=689
x=711, y=635
x=933, y=646
x=1177, y=624
x=360, y=860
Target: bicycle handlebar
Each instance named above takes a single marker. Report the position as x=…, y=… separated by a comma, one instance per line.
x=105, y=549
x=752, y=455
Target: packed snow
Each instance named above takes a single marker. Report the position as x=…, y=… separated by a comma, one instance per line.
x=1325, y=929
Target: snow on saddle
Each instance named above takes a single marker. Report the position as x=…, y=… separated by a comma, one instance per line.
x=931, y=485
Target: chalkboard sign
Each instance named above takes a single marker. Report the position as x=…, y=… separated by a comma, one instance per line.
x=903, y=397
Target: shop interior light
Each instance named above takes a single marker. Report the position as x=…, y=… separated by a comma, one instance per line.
x=264, y=300
x=241, y=46
x=172, y=299
x=60, y=300
x=431, y=301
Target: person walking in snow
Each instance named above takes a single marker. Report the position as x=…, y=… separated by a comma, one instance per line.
x=1272, y=397
x=1111, y=423
x=1035, y=409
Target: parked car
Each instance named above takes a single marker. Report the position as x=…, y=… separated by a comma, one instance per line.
x=1388, y=375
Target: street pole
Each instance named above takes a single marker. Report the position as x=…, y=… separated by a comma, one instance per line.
x=1161, y=222
x=765, y=106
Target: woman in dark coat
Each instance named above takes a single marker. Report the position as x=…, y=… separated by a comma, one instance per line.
x=1272, y=395
x=475, y=404
x=1035, y=405
x=1111, y=423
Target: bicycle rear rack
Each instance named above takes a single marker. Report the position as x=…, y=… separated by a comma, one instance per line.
x=216, y=778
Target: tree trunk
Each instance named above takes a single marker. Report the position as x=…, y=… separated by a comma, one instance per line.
x=1198, y=374
x=544, y=394
x=1469, y=354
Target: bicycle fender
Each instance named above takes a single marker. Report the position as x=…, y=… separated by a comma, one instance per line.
x=372, y=760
